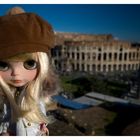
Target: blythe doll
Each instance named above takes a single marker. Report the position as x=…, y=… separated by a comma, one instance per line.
x=27, y=80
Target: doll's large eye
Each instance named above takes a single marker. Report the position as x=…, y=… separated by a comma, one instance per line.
x=30, y=64
x=4, y=66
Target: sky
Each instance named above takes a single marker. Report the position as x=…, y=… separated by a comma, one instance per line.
x=120, y=20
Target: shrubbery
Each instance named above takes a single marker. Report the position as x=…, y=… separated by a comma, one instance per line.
x=84, y=84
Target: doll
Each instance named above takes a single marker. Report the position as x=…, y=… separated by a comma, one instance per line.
x=27, y=80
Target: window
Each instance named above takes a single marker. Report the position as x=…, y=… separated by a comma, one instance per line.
x=99, y=49
x=130, y=56
x=88, y=67
x=99, y=67
x=133, y=55
x=110, y=56
x=73, y=55
x=73, y=67
x=120, y=67
x=133, y=66
x=129, y=67
x=94, y=56
x=124, y=67
x=59, y=53
x=104, y=56
x=99, y=56
x=78, y=56
x=83, y=56
x=104, y=68
x=83, y=67
x=68, y=54
x=78, y=67
x=125, y=56
x=88, y=56
x=114, y=67
x=115, y=56
x=120, y=56
x=93, y=67
x=109, y=67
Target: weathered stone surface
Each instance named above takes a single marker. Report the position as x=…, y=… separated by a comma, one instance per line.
x=132, y=129
x=86, y=122
x=107, y=120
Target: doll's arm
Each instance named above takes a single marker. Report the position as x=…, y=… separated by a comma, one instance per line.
x=3, y=129
x=4, y=124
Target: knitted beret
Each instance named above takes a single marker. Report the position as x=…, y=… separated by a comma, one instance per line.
x=24, y=32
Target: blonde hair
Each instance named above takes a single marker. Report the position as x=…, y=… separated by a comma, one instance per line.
x=40, y=88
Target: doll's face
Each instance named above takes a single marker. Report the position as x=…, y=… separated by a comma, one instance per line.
x=18, y=73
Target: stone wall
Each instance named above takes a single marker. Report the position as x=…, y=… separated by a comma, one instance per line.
x=94, y=53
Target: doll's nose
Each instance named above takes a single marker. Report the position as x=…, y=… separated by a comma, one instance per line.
x=15, y=71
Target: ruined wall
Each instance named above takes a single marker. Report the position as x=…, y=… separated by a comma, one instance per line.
x=94, y=53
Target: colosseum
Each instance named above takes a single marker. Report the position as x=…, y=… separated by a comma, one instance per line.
x=94, y=53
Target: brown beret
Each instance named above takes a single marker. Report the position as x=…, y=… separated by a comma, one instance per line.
x=25, y=32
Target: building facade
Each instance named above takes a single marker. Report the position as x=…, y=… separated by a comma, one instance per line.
x=94, y=53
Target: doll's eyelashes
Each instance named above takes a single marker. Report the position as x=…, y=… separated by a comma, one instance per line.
x=30, y=64
x=4, y=66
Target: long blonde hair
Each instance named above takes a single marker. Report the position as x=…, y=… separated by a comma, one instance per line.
x=40, y=88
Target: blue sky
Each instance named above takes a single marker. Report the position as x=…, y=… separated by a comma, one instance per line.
x=120, y=20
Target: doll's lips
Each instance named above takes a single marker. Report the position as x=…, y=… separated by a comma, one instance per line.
x=16, y=81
